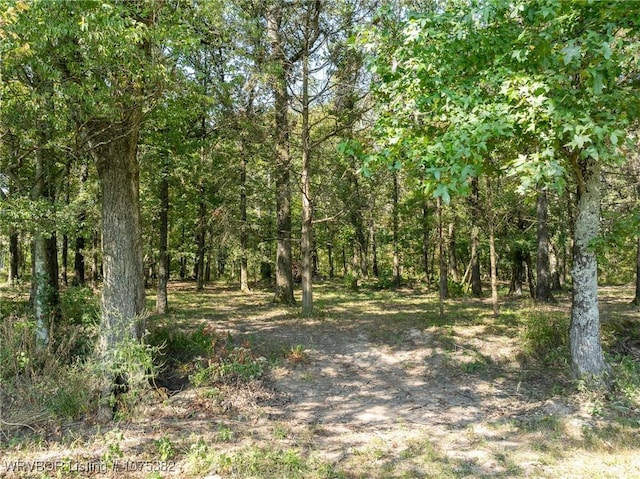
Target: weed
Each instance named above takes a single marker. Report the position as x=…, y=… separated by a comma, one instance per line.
x=351, y=282
x=166, y=451
x=225, y=433
x=545, y=337
x=297, y=355
x=114, y=451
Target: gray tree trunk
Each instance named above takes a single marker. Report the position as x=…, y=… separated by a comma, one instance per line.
x=162, y=301
x=543, y=276
x=284, y=276
x=123, y=295
x=587, y=358
x=476, y=280
x=306, y=244
x=397, y=278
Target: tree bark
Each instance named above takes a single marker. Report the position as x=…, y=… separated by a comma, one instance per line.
x=493, y=257
x=425, y=241
x=14, y=258
x=330, y=258
x=244, y=236
x=443, y=261
x=201, y=242
x=307, y=206
x=543, y=277
x=284, y=276
x=636, y=299
x=397, y=279
x=476, y=279
x=162, y=301
x=115, y=154
x=587, y=358
x=453, y=258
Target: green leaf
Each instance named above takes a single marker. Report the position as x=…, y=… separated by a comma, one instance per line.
x=570, y=52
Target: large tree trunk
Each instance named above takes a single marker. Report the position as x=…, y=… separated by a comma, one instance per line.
x=123, y=294
x=587, y=359
x=162, y=301
x=543, y=286
x=284, y=276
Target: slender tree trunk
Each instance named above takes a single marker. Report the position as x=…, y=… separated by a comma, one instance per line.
x=586, y=350
x=14, y=258
x=244, y=269
x=330, y=258
x=530, y=278
x=543, y=276
x=397, y=279
x=284, y=276
x=45, y=291
x=95, y=263
x=201, y=242
x=425, y=241
x=476, y=279
x=162, y=301
x=307, y=208
x=443, y=261
x=374, y=251
x=494, y=272
x=453, y=258
x=493, y=257
x=636, y=299
x=65, y=259
x=344, y=262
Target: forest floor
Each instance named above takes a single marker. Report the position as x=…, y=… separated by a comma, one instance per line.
x=375, y=385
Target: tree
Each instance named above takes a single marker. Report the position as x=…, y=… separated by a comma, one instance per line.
x=546, y=87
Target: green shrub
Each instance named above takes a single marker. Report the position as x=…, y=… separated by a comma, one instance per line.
x=545, y=337
x=351, y=282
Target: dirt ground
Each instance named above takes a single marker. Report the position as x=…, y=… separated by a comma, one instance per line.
x=378, y=385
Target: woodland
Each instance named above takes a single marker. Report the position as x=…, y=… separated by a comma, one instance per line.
x=244, y=238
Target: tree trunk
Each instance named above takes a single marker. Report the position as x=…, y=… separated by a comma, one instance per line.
x=586, y=351
x=443, y=261
x=636, y=299
x=397, y=279
x=425, y=241
x=476, y=279
x=201, y=237
x=244, y=269
x=307, y=207
x=453, y=258
x=162, y=301
x=330, y=258
x=543, y=277
x=14, y=258
x=493, y=257
x=95, y=264
x=374, y=251
x=284, y=276
x=65, y=259
x=123, y=294
x=344, y=262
